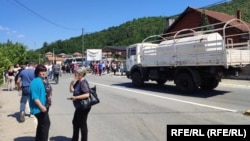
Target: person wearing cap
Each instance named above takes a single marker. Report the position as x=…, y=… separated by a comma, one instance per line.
x=38, y=101
x=79, y=88
x=23, y=83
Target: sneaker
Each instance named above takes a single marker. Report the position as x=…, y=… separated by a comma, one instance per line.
x=31, y=116
x=22, y=118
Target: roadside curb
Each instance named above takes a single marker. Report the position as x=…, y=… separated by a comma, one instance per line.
x=235, y=83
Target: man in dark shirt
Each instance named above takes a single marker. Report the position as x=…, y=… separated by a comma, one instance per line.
x=56, y=71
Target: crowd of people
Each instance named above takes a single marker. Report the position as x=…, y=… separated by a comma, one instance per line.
x=32, y=81
x=100, y=67
x=96, y=67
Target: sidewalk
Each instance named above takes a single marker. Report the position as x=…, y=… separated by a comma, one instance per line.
x=12, y=130
x=10, y=127
x=235, y=83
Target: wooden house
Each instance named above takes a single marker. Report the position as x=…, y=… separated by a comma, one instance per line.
x=111, y=51
x=192, y=18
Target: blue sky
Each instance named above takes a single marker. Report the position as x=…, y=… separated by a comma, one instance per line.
x=33, y=22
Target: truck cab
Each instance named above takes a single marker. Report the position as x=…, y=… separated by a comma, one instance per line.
x=134, y=54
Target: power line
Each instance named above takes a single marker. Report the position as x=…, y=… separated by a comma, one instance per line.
x=51, y=22
x=216, y=3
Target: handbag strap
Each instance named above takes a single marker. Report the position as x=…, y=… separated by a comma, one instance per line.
x=86, y=83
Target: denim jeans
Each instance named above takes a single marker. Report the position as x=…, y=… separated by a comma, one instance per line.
x=24, y=98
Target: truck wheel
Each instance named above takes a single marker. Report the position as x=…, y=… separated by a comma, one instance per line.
x=161, y=81
x=185, y=83
x=137, y=80
x=209, y=83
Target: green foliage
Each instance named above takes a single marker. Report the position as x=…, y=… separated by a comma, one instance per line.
x=204, y=21
x=128, y=33
x=232, y=7
x=33, y=57
x=136, y=30
x=11, y=54
x=15, y=52
x=4, y=63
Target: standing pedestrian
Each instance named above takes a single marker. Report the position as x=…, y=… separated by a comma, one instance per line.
x=114, y=67
x=22, y=67
x=80, y=89
x=100, y=68
x=108, y=67
x=11, y=78
x=37, y=101
x=23, y=83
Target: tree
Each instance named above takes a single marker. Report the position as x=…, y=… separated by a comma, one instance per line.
x=11, y=54
x=204, y=21
x=4, y=64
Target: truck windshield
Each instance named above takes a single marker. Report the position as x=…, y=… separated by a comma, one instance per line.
x=131, y=51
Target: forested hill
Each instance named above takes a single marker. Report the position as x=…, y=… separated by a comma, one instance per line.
x=136, y=30
x=123, y=35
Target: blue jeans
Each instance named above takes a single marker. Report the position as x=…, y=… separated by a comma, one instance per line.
x=24, y=98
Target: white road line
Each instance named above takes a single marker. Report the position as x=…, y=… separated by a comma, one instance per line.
x=168, y=98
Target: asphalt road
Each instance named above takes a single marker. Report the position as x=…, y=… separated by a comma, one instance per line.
x=131, y=114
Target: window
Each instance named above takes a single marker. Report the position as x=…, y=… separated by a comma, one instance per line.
x=131, y=51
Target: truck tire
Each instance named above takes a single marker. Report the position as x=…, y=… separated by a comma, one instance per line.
x=209, y=83
x=185, y=83
x=137, y=80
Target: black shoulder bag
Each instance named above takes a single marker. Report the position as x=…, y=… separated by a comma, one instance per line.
x=92, y=99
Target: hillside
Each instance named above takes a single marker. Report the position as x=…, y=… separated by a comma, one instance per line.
x=123, y=35
x=136, y=30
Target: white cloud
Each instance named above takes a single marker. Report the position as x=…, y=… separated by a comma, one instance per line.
x=4, y=28
x=11, y=32
x=20, y=36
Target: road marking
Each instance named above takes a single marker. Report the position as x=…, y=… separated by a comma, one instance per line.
x=169, y=98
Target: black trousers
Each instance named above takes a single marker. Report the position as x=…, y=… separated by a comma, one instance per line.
x=42, y=129
x=80, y=123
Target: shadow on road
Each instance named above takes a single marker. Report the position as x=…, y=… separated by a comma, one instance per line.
x=171, y=89
x=29, y=138
x=25, y=138
x=60, y=138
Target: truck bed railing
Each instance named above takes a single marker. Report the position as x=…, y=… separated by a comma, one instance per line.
x=217, y=45
x=220, y=27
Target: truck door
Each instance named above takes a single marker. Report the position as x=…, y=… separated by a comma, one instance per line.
x=131, y=57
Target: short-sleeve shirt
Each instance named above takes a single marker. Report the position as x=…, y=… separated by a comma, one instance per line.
x=81, y=87
x=27, y=75
x=37, y=91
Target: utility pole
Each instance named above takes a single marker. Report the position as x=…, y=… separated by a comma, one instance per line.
x=82, y=45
